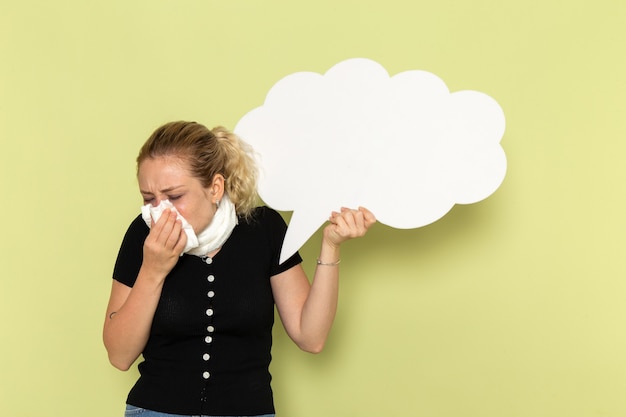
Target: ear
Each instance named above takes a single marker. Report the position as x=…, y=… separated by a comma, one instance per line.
x=216, y=189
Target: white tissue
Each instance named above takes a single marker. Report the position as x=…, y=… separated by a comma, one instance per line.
x=149, y=212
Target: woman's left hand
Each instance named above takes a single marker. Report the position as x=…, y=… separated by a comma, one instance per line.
x=307, y=309
x=348, y=224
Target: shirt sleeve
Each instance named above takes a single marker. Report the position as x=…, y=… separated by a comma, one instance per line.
x=277, y=231
x=130, y=255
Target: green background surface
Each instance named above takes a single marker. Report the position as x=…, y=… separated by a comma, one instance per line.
x=511, y=307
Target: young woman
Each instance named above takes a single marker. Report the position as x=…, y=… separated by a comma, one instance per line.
x=197, y=277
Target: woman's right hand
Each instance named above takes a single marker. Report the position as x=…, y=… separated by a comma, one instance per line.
x=131, y=310
x=164, y=245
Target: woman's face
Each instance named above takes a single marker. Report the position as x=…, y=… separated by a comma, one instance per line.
x=168, y=178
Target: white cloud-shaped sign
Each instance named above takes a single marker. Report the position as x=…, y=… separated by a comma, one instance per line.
x=405, y=147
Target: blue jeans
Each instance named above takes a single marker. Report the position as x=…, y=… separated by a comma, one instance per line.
x=132, y=411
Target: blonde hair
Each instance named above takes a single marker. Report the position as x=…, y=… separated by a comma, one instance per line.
x=208, y=153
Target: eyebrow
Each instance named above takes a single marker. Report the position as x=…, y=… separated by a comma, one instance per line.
x=164, y=191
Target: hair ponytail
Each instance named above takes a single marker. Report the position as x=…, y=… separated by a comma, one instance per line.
x=239, y=170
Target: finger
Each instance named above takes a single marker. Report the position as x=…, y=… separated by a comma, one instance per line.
x=344, y=219
x=182, y=242
x=359, y=220
x=356, y=218
x=158, y=224
x=175, y=235
x=165, y=225
x=368, y=216
x=351, y=222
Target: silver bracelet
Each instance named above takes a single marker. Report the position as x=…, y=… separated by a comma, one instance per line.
x=319, y=262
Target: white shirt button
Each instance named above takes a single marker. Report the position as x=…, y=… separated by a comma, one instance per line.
x=208, y=339
x=211, y=294
x=209, y=312
x=210, y=329
x=211, y=278
x=206, y=356
x=209, y=260
x=206, y=375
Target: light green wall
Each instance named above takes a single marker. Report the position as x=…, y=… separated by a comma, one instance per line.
x=513, y=307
